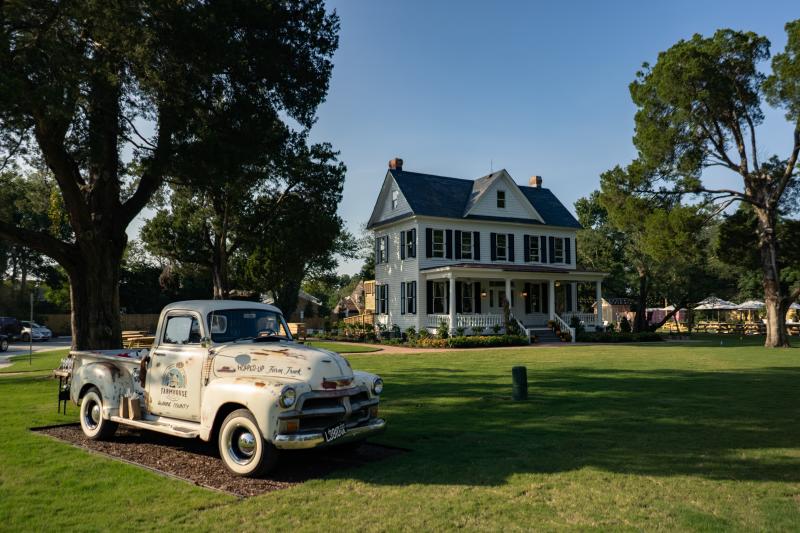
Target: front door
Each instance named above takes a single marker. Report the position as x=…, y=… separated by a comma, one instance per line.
x=173, y=381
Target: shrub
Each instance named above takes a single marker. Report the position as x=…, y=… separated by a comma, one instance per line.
x=496, y=328
x=460, y=331
x=477, y=330
x=566, y=337
x=485, y=341
x=424, y=334
x=624, y=325
x=443, y=331
x=431, y=342
x=411, y=333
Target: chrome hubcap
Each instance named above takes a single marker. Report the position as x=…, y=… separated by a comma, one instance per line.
x=92, y=415
x=241, y=445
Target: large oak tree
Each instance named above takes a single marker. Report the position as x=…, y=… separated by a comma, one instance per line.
x=96, y=88
x=700, y=106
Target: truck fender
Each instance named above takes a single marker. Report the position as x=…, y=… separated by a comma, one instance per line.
x=260, y=396
x=110, y=380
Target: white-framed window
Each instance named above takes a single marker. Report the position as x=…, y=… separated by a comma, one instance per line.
x=466, y=245
x=437, y=249
x=467, y=297
x=439, y=298
x=534, y=252
x=383, y=245
x=558, y=250
x=408, y=292
x=501, y=199
x=394, y=199
x=382, y=299
x=409, y=243
x=501, y=247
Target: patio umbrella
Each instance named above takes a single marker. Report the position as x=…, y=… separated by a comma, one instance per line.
x=750, y=306
x=794, y=306
x=712, y=303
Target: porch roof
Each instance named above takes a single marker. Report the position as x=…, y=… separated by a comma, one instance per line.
x=493, y=268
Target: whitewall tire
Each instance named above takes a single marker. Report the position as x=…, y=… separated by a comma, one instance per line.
x=93, y=424
x=243, y=450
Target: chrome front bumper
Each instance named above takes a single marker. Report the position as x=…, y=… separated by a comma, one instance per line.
x=299, y=441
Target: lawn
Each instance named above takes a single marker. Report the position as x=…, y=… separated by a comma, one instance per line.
x=37, y=362
x=687, y=437
x=342, y=347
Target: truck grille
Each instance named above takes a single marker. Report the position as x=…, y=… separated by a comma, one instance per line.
x=320, y=410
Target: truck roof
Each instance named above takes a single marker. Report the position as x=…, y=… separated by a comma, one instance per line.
x=208, y=306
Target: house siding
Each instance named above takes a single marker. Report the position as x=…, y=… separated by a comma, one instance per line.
x=399, y=270
x=487, y=204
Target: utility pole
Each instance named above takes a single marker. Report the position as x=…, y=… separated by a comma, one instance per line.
x=30, y=334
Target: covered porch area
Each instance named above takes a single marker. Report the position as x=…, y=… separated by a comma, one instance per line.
x=473, y=297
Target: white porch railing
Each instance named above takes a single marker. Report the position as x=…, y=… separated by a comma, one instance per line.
x=564, y=326
x=466, y=321
x=588, y=319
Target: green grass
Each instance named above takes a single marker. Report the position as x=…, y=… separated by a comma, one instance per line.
x=39, y=361
x=342, y=348
x=675, y=437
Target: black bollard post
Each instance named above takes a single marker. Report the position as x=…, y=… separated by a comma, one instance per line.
x=519, y=378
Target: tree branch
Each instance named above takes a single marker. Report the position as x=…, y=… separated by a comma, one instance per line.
x=789, y=171
x=60, y=251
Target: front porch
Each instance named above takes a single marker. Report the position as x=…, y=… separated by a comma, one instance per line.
x=535, y=296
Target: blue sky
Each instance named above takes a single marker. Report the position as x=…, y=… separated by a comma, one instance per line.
x=457, y=87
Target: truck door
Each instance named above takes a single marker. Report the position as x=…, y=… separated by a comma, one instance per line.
x=173, y=380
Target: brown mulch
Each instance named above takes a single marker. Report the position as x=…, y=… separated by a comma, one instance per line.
x=197, y=462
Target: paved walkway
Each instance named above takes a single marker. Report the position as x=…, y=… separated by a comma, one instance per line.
x=388, y=349
x=21, y=348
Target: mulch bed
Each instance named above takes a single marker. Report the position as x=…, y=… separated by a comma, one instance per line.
x=197, y=462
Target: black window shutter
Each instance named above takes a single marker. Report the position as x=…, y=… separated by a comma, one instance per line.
x=568, y=303
x=527, y=298
x=545, y=297
x=413, y=243
x=493, y=245
x=402, y=245
x=402, y=297
x=459, y=302
x=386, y=248
x=457, y=251
x=477, y=293
x=552, y=252
x=386, y=299
x=429, y=297
x=526, y=248
x=567, y=251
x=413, y=309
x=476, y=245
x=377, y=258
x=543, y=249
x=576, y=250
x=428, y=242
x=448, y=244
x=511, y=247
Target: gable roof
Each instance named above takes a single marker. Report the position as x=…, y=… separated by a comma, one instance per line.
x=440, y=196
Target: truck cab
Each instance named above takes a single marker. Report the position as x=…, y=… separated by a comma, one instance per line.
x=231, y=371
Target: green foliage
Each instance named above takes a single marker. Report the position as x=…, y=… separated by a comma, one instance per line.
x=622, y=336
x=460, y=331
x=443, y=330
x=475, y=341
x=477, y=330
x=496, y=328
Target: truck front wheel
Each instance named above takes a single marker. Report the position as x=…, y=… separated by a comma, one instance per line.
x=242, y=448
x=93, y=424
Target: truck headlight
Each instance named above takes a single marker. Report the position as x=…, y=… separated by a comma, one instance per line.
x=288, y=397
x=377, y=386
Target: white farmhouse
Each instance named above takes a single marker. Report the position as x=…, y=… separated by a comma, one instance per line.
x=454, y=250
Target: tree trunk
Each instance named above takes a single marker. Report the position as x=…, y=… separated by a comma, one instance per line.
x=219, y=274
x=640, y=322
x=775, y=302
x=94, y=291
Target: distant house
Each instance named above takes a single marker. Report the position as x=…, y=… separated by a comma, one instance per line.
x=358, y=302
x=455, y=250
x=616, y=308
x=306, y=311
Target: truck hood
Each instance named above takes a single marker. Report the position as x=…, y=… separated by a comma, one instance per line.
x=282, y=361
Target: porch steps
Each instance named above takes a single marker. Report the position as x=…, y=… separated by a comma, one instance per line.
x=544, y=335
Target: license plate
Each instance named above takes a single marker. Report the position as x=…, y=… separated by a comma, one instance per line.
x=335, y=432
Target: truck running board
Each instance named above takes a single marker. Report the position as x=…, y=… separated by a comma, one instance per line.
x=161, y=427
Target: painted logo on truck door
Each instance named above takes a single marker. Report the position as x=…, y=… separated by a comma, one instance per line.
x=173, y=382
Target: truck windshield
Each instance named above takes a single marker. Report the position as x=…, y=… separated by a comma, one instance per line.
x=241, y=324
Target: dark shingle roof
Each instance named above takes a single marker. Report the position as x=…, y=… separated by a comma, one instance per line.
x=440, y=196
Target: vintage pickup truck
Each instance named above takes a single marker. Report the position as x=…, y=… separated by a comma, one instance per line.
x=227, y=370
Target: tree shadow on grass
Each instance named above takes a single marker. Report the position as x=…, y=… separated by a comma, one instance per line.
x=733, y=425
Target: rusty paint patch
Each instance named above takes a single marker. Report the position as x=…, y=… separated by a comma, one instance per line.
x=260, y=384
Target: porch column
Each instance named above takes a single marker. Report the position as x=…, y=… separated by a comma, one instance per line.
x=551, y=299
x=451, y=302
x=421, y=303
x=574, y=292
x=508, y=294
x=599, y=298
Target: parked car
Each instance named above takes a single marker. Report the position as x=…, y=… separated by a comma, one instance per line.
x=3, y=343
x=10, y=327
x=37, y=331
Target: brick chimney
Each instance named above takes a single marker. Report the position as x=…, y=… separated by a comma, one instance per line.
x=535, y=181
x=396, y=164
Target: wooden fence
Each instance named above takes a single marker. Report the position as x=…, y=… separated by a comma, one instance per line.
x=60, y=324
